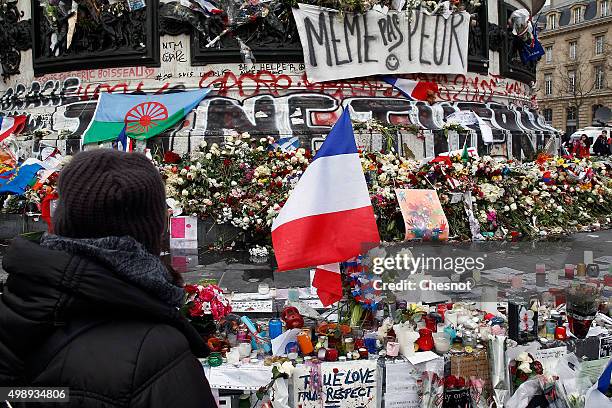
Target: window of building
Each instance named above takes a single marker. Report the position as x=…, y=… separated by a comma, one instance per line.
x=549, y=53
x=547, y=115
x=594, y=109
x=599, y=77
x=548, y=84
x=599, y=45
x=577, y=15
x=603, y=8
x=571, y=113
x=571, y=81
x=551, y=24
x=572, y=49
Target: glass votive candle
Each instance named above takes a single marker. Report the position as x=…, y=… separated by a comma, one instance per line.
x=569, y=271
x=263, y=288
x=560, y=333
x=393, y=348
x=349, y=345
x=441, y=342
x=331, y=354
x=363, y=353
x=321, y=354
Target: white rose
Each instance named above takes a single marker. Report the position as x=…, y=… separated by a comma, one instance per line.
x=286, y=368
x=185, y=193
x=513, y=207
x=524, y=367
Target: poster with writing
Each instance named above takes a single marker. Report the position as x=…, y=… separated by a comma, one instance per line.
x=349, y=384
x=305, y=394
x=344, y=45
x=184, y=232
x=423, y=215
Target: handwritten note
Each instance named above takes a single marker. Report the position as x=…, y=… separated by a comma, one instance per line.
x=343, y=45
x=401, y=389
x=343, y=385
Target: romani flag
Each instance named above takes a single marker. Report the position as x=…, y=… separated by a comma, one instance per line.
x=328, y=217
x=142, y=116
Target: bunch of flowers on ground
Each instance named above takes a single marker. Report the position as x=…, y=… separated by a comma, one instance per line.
x=246, y=182
x=243, y=183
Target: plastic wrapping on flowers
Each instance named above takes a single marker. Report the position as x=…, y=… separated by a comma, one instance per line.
x=246, y=182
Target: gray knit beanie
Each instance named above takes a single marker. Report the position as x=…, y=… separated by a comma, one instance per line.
x=106, y=192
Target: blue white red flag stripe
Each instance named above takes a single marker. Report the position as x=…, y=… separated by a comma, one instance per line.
x=412, y=89
x=328, y=281
x=10, y=125
x=328, y=217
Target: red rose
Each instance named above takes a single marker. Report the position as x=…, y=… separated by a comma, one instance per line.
x=450, y=381
x=171, y=158
x=537, y=367
x=196, y=310
x=191, y=288
x=460, y=382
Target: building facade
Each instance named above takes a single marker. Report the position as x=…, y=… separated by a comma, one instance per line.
x=574, y=77
x=56, y=76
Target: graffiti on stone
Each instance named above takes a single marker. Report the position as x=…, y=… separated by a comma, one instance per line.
x=276, y=99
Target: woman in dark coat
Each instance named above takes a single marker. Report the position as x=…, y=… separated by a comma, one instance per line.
x=93, y=308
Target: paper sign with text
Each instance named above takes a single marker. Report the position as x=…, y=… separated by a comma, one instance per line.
x=183, y=232
x=343, y=385
x=345, y=45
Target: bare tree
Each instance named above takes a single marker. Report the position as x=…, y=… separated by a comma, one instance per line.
x=579, y=81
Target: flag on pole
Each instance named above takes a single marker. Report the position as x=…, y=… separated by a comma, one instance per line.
x=412, y=89
x=328, y=217
x=328, y=281
x=142, y=116
x=10, y=125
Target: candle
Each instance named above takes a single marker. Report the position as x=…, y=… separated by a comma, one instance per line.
x=305, y=343
x=560, y=333
x=363, y=353
x=331, y=355
x=569, y=271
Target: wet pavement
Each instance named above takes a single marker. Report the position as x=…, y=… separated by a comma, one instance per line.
x=236, y=271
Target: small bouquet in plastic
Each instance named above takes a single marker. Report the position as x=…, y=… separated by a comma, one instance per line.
x=204, y=305
x=431, y=390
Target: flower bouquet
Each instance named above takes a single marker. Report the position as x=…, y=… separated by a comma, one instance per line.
x=204, y=305
x=524, y=367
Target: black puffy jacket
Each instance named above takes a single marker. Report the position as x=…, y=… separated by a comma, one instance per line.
x=140, y=353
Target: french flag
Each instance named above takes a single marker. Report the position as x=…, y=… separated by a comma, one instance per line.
x=328, y=281
x=412, y=89
x=10, y=125
x=328, y=217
